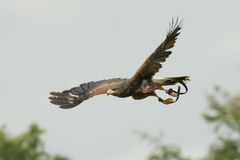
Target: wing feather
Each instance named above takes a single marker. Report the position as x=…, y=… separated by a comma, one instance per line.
x=153, y=63
x=76, y=95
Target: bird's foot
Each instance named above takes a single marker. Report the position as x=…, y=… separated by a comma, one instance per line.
x=172, y=93
x=166, y=101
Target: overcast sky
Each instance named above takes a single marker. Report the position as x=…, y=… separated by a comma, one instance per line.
x=53, y=45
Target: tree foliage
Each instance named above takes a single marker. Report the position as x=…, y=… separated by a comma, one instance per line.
x=160, y=150
x=224, y=114
x=225, y=110
x=224, y=149
x=26, y=146
x=167, y=152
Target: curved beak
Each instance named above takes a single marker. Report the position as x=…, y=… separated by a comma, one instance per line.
x=110, y=92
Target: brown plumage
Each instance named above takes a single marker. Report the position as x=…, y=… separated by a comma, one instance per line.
x=140, y=86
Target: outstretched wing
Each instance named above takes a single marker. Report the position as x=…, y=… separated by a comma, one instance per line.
x=74, y=96
x=153, y=63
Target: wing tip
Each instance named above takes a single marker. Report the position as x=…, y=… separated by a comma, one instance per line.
x=176, y=22
x=175, y=26
x=64, y=100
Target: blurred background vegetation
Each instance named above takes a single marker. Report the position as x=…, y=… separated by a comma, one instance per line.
x=26, y=146
x=223, y=114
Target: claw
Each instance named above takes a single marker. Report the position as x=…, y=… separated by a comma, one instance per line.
x=166, y=101
x=172, y=93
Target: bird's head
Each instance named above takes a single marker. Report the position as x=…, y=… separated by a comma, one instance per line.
x=118, y=89
x=112, y=92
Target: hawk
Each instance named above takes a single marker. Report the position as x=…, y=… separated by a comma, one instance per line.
x=139, y=86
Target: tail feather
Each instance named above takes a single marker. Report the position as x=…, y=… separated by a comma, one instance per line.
x=172, y=80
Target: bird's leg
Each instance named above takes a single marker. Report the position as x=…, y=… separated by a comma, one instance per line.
x=174, y=93
x=164, y=101
x=170, y=92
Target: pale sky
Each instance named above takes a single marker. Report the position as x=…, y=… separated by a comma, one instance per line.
x=53, y=45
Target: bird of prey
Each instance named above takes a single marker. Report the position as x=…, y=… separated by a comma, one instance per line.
x=139, y=86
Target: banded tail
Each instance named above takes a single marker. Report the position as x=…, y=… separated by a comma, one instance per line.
x=172, y=80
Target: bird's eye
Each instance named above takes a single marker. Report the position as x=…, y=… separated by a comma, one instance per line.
x=114, y=89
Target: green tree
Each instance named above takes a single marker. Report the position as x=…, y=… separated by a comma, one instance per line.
x=160, y=150
x=224, y=114
x=167, y=152
x=26, y=146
